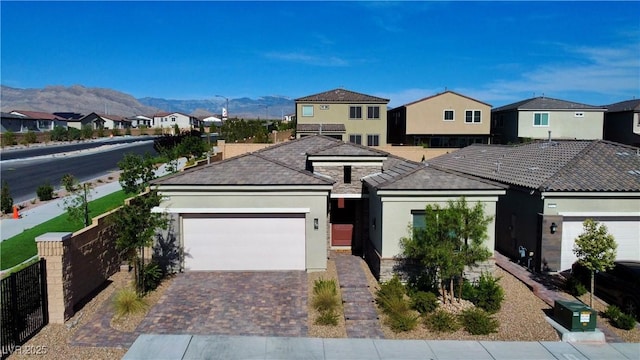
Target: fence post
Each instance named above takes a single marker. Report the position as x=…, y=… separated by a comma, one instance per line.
x=43, y=291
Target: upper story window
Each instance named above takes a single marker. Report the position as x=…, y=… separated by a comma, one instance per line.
x=448, y=115
x=373, y=140
x=307, y=110
x=373, y=112
x=578, y=114
x=173, y=119
x=473, y=116
x=355, y=139
x=541, y=119
x=355, y=112
x=324, y=107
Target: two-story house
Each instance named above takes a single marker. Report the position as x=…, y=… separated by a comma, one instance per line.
x=543, y=118
x=170, y=120
x=622, y=122
x=345, y=115
x=444, y=120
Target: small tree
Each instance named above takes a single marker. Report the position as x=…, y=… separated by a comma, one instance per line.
x=595, y=249
x=176, y=129
x=87, y=131
x=6, y=199
x=77, y=204
x=137, y=172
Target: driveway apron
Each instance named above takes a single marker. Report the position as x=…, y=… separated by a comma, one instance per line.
x=361, y=317
x=270, y=303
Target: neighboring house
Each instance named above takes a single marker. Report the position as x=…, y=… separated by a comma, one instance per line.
x=69, y=116
x=94, y=120
x=104, y=121
x=285, y=206
x=622, y=122
x=344, y=115
x=543, y=117
x=15, y=123
x=169, y=120
x=445, y=120
x=289, y=118
x=140, y=120
x=553, y=187
x=35, y=121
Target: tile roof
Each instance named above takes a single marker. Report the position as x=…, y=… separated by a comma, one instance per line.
x=442, y=93
x=342, y=95
x=348, y=149
x=545, y=103
x=629, y=105
x=248, y=169
x=5, y=115
x=38, y=115
x=316, y=127
x=563, y=165
x=295, y=152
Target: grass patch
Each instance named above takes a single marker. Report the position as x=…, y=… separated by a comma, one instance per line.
x=127, y=302
x=21, y=247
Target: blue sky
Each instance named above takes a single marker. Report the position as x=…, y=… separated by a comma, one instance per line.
x=496, y=52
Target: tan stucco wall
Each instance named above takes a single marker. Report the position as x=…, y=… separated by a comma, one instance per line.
x=415, y=153
x=316, y=240
x=339, y=114
x=563, y=124
x=556, y=205
x=426, y=117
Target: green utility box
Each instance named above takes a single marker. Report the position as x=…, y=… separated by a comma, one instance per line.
x=574, y=315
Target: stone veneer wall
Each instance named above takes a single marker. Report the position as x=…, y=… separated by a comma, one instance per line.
x=77, y=264
x=337, y=173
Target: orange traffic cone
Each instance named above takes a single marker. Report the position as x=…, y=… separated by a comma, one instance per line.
x=15, y=212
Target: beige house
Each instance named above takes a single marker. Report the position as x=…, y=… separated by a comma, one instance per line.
x=170, y=120
x=445, y=120
x=345, y=115
x=543, y=118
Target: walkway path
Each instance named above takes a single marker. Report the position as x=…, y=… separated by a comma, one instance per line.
x=361, y=317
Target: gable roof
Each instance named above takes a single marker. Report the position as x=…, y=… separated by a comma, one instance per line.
x=317, y=127
x=342, y=96
x=545, y=103
x=37, y=115
x=247, y=169
x=563, y=165
x=443, y=93
x=628, y=105
x=294, y=152
x=348, y=149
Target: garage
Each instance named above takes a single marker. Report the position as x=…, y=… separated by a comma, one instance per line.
x=244, y=242
x=626, y=234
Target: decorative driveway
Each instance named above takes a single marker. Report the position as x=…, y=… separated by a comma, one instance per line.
x=265, y=303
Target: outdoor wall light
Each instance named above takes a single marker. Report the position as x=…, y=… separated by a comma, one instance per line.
x=554, y=227
x=315, y=224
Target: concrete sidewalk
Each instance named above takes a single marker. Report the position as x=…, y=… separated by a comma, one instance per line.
x=282, y=348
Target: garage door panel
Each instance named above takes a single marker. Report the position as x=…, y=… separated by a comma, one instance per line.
x=626, y=234
x=245, y=243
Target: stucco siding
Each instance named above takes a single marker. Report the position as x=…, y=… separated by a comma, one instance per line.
x=427, y=117
x=555, y=206
x=316, y=246
x=562, y=124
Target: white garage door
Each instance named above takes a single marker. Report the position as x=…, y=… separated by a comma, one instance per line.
x=626, y=233
x=244, y=242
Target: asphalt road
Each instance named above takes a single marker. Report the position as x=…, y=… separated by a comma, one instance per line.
x=24, y=176
x=54, y=149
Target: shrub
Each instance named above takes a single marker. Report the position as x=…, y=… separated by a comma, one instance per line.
x=152, y=276
x=442, y=321
x=322, y=285
x=575, y=287
x=58, y=134
x=612, y=312
x=143, y=129
x=100, y=132
x=479, y=322
x=30, y=137
x=619, y=319
x=86, y=132
x=325, y=295
x=176, y=129
x=8, y=138
x=424, y=302
x=402, y=321
x=68, y=182
x=157, y=131
x=128, y=302
x=393, y=305
x=489, y=294
x=115, y=132
x=73, y=134
x=45, y=192
x=329, y=317
x=392, y=288
x=468, y=291
x=6, y=201
x=127, y=131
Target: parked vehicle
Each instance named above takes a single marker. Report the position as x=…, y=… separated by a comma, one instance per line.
x=618, y=286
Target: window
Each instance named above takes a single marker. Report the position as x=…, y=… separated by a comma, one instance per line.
x=173, y=119
x=473, y=116
x=355, y=112
x=373, y=140
x=44, y=124
x=347, y=174
x=541, y=119
x=373, y=112
x=419, y=221
x=448, y=115
x=324, y=107
x=355, y=139
x=307, y=110
x=578, y=114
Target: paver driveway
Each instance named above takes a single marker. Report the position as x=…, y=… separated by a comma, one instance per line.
x=271, y=303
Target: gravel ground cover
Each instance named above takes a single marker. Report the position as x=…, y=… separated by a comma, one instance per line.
x=599, y=305
x=324, y=331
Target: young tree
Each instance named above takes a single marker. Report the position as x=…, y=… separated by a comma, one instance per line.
x=7, y=200
x=77, y=203
x=137, y=172
x=595, y=249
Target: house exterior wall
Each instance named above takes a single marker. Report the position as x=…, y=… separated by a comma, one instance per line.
x=622, y=127
x=338, y=113
x=336, y=172
x=504, y=127
x=600, y=204
x=562, y=124
x=167, y=121
x=517, y=222
x=427, y=117
x=316, y=240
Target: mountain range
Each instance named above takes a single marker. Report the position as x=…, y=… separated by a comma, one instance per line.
x=84, y=100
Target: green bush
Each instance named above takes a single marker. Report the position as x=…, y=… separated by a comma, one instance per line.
x=58, y=134
x=128, y=302
x=143, y=129
x=402, y=321
x=6, y=201
x=442, y=321
x=74, y=134
x=468, y=291
x=8, y=138
x=479, y=322
x=115, y=132
x=127, y=131
x=30, y=137
x=488, y=293
x=86, y=132
x=391, y=288
x=612, y=312
x=393, y=305
x=45, y=192
x=619, y=319
x=575, y=287
x=327, y=318
x=424, y=302
x=100, y=132
x=325, y=295
x=152, y=276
